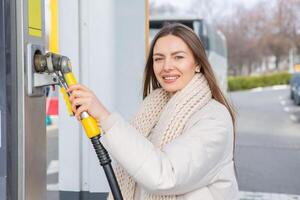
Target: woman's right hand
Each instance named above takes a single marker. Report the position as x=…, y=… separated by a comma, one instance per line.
x=83, y=99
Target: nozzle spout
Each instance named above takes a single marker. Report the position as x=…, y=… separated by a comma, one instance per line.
x=51, y=62
x=40, y=62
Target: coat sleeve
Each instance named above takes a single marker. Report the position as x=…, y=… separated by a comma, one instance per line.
x=188, y=162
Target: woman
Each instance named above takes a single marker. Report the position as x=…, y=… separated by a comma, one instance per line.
x=180, y=143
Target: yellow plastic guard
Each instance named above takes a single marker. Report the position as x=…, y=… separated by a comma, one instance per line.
x=70, y=78
x=53, y=35
x=90, y=126
x=66, y=98
x=35, y=18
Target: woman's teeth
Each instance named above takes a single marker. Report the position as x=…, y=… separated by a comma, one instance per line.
x=170, y=77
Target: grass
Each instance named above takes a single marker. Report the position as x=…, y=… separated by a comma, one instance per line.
x=249, y=82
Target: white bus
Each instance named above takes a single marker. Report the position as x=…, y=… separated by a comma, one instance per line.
x=213, y=40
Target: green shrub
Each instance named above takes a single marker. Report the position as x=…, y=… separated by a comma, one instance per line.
x=249, y=82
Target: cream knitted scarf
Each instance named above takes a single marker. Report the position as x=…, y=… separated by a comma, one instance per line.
x=170, y=116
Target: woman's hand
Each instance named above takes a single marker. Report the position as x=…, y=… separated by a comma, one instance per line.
x=83, y=99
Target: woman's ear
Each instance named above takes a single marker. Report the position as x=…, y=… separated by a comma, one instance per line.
x=197, y=70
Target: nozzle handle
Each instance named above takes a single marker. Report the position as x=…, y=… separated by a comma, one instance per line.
x=89, y=124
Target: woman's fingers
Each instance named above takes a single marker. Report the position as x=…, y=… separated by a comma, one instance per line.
x=77, y=87
x=79, y=102
x=80, y=109
x=79, y=94
x=83, y=99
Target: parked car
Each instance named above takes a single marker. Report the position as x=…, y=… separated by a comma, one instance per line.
x=295, y=88
x=297, y=95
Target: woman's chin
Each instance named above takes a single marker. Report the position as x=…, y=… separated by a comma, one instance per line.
x=170, y=89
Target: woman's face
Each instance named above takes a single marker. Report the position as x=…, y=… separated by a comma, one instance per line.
x=173, y=63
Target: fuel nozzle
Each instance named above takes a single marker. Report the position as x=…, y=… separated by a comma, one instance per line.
x=55, y=63
x=60, y=67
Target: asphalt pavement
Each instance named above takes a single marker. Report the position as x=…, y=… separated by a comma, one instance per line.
x=268, y=141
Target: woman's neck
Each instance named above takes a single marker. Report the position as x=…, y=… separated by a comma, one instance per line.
x=170, y=94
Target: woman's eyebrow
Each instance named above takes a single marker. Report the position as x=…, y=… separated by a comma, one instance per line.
x=176, y=52
x=158, y=54
x=173, y=53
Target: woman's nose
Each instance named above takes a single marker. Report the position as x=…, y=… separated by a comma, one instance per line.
x=168, y=64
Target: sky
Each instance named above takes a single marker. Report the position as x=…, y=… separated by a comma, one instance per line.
x=185, y=4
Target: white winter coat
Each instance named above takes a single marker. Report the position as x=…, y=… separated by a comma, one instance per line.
x=198, y=165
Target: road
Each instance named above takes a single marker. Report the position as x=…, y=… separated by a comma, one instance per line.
x=268, y=141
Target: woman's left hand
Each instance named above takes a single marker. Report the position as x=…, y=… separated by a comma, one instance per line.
x=83, y=99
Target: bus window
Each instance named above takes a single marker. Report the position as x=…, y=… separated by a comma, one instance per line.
x=152, y=33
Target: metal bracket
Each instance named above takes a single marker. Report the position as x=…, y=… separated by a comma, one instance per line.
x=36, y=82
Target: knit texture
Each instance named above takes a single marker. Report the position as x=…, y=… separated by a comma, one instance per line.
x=177, y=110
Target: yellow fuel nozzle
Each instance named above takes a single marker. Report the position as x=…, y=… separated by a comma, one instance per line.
x=66, y=99
x=89, y=123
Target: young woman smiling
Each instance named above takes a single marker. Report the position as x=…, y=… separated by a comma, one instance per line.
x=180, y=143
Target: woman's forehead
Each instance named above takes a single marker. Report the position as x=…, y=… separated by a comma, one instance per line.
x=170, y=44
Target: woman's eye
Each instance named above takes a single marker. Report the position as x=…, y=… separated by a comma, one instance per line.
x=178, y=57
x=157, y=59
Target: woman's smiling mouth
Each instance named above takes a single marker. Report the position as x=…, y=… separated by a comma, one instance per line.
x=170, y=78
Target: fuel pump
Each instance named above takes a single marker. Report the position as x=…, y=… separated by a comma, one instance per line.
x=59, y=68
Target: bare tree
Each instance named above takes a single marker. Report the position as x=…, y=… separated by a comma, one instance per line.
x=161, y=10
x=255, y=34
x=209, y=10
x=243, y=30
x=279, y=35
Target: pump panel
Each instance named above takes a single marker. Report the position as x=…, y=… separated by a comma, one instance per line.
x=36, y=82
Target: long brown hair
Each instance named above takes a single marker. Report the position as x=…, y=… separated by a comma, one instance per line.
x=196, y=46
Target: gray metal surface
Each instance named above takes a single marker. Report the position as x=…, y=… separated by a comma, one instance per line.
x=2, y=188
x=31, y=117
x=3, y=173
x=35, y=148
x=0, y=129
x=8, y=106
